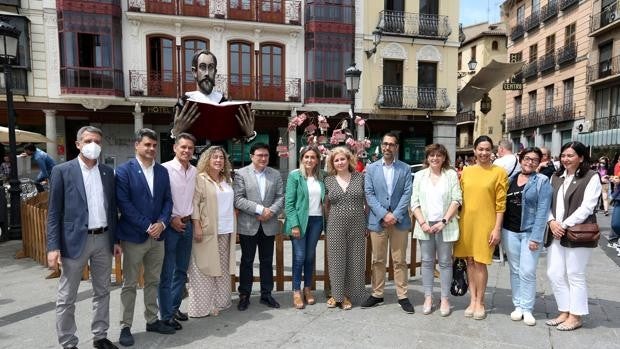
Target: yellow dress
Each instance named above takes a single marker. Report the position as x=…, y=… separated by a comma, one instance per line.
x=484, y=194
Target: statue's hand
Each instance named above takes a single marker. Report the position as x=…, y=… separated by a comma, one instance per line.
x=184, y=117
x=246, y=117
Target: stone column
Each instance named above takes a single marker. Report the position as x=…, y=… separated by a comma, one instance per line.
x=138, y=118
x=50, y=132
x=444, y=133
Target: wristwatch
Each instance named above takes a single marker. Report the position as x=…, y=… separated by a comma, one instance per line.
x=444, y=221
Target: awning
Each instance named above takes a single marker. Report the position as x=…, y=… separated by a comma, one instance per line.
x=486, y=79
x=600, y=138
x=23, y=136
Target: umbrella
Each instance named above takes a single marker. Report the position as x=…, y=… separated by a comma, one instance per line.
x=23, y=136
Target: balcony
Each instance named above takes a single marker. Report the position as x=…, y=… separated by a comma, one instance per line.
x=548, y=116
x=532, y=22
x=238, y=87
x=465, y=117
x=517, y=32
x=546, y=63
x=410, y=97
x=549, y=11
x=264, y=11
x=530, y=70
x=607, y=123
x=565, y=4
x=19, y=81
x=414, y=25
x=91, y=81
x=604, y=21
x=567, y=54
x=518, y=77
x=603, y=71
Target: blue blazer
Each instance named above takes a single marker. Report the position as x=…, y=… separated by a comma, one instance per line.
x=67, y=215
x=138, y=207
x=378, y=199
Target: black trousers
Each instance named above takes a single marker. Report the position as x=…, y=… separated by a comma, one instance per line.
x=265, y=257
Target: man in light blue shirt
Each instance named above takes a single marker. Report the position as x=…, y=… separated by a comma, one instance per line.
x=44, y=161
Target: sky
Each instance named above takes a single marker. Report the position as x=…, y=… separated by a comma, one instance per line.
x=476, y=11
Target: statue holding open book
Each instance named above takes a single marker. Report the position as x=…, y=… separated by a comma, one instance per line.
x=206, y=113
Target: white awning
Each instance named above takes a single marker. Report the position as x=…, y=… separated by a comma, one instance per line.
x=486, y=79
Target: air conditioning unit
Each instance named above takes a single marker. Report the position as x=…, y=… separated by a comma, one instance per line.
x=583, y=126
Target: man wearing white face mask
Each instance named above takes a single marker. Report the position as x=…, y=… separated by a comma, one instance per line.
x=81, y=224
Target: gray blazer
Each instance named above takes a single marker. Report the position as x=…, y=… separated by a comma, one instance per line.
x=247, y=197
x=67, y=218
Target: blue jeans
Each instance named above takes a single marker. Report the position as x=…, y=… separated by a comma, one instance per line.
x=522, y=264
x=178, y=249
x=304, y=252
x=615, y=223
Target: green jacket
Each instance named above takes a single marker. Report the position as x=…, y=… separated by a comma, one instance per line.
x=296, y=202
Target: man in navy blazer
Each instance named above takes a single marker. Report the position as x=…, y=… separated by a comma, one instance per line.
x=145, y=202
x=388, y=192
x=81, y=222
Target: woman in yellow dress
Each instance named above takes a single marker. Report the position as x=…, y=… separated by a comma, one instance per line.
x=484, y=188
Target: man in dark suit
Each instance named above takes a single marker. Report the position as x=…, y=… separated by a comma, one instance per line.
x=144, y=199
x=81, y=223
x=259, y=196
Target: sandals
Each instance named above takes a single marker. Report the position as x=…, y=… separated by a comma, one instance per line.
x=346, y=304
x=298, y=302
x=309, y=296
x=331, y=302
x=564, y=327
x=556, y=321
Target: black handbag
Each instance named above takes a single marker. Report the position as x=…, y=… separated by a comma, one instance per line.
x=459, y=277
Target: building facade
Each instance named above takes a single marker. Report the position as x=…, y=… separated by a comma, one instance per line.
x=552, y=38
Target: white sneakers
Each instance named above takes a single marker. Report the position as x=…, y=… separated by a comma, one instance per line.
x=527, y=317
x=516, y=315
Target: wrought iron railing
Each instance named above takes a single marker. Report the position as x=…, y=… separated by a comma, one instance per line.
x=415, y=24
x=257, y=10
x=464, y=117
x=532, y=21
x=604, y=18
x=517, y=32
x=546, y=63
x=607, y=123
x=410, y=97
x=547, y=116
x=603, y=69
x=565, y=4
x=105, y=81
x=567, y=53
x=549, y=11
x=530, y=70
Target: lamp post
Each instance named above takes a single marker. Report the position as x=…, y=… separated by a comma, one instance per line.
x=9, y=38
x=352, y=78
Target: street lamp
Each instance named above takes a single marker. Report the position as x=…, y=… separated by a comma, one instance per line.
x=352, y=78
x=9, y=38
x=472, y=68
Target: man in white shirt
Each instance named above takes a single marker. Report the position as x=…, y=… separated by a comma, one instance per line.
x=178, y=235
x=507, y=160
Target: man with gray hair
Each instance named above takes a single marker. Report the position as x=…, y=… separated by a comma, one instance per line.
x=506, y=159
x=81, y=223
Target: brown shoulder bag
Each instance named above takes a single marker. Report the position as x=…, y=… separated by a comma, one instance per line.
x=585, y=232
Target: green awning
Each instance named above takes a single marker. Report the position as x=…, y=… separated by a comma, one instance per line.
x=600, y=138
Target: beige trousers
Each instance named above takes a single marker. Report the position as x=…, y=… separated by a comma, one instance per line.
x=398, y=244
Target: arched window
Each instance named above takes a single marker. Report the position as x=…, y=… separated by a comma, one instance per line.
x=240, y=70
x=191, y=46
x=162, y=71
x=494, y=45
x=272, y=83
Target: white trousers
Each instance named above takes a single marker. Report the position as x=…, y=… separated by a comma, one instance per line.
x=566, y=270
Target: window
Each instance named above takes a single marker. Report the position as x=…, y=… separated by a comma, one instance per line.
x=521, y=14
x=567, y=98
x=550, y=44
x=161, y=66
x=547, y=139
x=549, y=98
x=566, y=136
x=533, y=52
x=327, y=57
x=535, y=6
x=532, y=102
x=240, y=73
x=460, y=61
x=517, y=106
x=604, y=59
x=570, y=34
x=272, y=72
x=494, y=45
x=473, y=52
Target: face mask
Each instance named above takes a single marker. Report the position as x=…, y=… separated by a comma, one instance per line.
x=91, y=150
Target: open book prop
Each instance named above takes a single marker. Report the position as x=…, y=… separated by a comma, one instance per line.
x=217, y=122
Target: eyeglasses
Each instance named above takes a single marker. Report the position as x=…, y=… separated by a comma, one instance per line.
x=261, y=155
x=391, y=145
x=532, y=160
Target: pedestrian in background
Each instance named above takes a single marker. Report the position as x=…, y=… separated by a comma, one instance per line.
x=435, y=199
x=546, y=165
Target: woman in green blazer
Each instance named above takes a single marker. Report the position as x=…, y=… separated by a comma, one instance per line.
x=305, y=192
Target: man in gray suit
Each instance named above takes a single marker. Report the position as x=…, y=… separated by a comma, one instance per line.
x=81, y=223
x=259, y=196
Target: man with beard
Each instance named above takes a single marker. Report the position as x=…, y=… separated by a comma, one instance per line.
x=204, y=68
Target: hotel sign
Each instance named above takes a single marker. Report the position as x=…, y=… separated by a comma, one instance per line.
x=512, y=86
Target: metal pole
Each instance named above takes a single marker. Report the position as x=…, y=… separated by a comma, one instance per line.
x=353, y=125
x=14, y=190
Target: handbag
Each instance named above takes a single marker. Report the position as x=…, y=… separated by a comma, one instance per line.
x=459, y=284
x=585, y=232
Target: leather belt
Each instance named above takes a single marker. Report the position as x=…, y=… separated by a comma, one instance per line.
x=186, y=219
x=97, y=231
